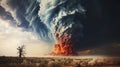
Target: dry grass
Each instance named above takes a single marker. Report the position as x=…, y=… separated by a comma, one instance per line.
x=59, y=62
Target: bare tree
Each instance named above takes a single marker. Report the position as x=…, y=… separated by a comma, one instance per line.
x=21, y=51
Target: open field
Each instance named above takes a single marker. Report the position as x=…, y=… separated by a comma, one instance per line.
x=60, y=61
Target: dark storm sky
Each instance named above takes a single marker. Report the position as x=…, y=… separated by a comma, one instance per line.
x=101, y=26
x=103, y=20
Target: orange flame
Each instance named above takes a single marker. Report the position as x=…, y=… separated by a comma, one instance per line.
x=63, y=47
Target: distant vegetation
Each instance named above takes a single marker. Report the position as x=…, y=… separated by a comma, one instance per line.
x=58, y=62
x=21, y=51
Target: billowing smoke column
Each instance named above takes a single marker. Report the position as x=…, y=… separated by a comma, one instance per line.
x=64, y=18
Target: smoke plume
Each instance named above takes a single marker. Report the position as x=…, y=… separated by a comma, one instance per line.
x=64, y=18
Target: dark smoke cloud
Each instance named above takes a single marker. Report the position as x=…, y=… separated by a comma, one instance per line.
x=6, y=16
x=25, y=13
x=65, y=19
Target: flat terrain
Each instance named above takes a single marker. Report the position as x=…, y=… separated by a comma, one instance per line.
x=64, y=61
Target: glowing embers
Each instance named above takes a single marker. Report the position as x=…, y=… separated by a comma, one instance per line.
x=62, y=50
x=63, y=47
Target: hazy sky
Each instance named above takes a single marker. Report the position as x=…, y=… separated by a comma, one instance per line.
x=12, y=37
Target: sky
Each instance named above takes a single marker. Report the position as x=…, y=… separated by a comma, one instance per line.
x=91, y=26
x=12, y=37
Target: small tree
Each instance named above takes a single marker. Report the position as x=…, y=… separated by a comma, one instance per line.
x=21, y=51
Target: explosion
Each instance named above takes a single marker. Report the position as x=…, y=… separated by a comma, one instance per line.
x=63, y=47
x=64, y=18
